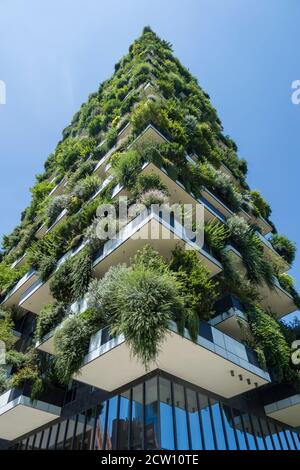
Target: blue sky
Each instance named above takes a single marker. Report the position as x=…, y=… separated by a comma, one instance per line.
x=244, y=53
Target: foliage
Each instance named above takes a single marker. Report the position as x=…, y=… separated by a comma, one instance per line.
x=6, y=327
x=215, y=236
x=197, y=289
x=153, y=196
x=284, y=247
x=259, y=268
x=48, y=318
x=125, y=167
x=71, y=280
x=71, y=344
x=260, y=204
x=287, y=282
x=86, y=187
x=268, y=335
x=56, y=205
x=147, y=182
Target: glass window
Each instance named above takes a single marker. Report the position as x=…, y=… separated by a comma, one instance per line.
x=52, y=441
x=87, y=443
x=206, y=422
x=258, y=433
x=215, y=408
x=247, y=423
x=61, y=435
x=290, y=439
x=70, y=433
x=180, y=418
x=79, y=432
x=151, y=415
x=194, y=421
x=166, y=415
x=282, y=438
x=137, y=422
x=274, y=435
x=124, y=421
x=100, y=427
x=266, y=434
x=111, y=436
x=297, y=440
x=228, y=424
x=45, y=439
x=239, y=429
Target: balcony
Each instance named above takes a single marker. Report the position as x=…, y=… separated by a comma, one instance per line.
x=230, y=317
x=270, y=252
x=58, y=190
x=215, y=362
x=178, y=194
x=287, y=410
x=47, y=343
x=124, y=134
x=38, y=294
x=275, y=300
x=219, y=206
x=149, y=227
x=149, y=135
x=45, y=229
x=150, y=92
x=19, y=262
x=19, y=415
x=14, y=295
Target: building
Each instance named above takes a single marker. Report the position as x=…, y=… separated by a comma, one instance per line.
x=177, y=348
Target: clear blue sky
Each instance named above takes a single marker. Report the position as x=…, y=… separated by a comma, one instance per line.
x=245, y=54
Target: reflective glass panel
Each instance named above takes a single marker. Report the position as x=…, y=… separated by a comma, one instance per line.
x=206, y=422
x=166, y=415
x=137, y=418
x=111, y=436
x=151, y=415
x=228, y=424
x=194, y=422
x=238, y=424
x=180, y=418
x=100, y=427
x=218, y=424
x=124, y=421
x=249, y=431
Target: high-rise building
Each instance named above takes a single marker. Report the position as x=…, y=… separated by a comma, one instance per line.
x=166, y=333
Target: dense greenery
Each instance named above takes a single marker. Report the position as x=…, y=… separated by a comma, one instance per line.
x=139, y=300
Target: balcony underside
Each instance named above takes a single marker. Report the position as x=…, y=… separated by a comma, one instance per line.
x=232, y=325
x=15, y=294
x=21, y=416
x=164, y=244
x=287, y=411
x=217, y=203
x=149, y=136
x=276, y=299
x=37, y=298
x=111, y=365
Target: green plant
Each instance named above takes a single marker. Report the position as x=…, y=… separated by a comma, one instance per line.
x=86, y=187
x=287, y=282
x=49, y=317
x=125, y=167
x=55, y=207
x=197, y=289
x=71, y=344
x=6, y=327
x=269, y=337
x=71, y=280
x=284, y=247
x=149, y=181
x=262, y=207
x=153, y=196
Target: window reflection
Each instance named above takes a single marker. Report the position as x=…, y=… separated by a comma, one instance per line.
x=87, y=442
x=215, y=408
x=206, y=422
x=61, y=435
x=283, y=440
x=274, y=435
x=228, y=424
x=239, y=429
x=137, y=433
x=100, y=427
x=151, y=415
x=290, y=439
x=52, y=440
x=247, y=423
x=180, y=418
x=267, y=435
x=124, y=421
x=258, y=433
x=111, y=436
x=194, y=421
x=166, y=415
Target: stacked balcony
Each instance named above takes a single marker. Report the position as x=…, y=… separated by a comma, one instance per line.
x=231, y=317
x=20, y=415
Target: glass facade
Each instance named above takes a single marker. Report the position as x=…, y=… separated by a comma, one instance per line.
x=160, y=413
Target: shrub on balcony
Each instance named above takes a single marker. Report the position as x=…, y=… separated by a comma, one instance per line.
x=262, y=207
x=70, y=282
x=147, y=182
x=197, y=289
x=153, y=196
x=55, y=207
x=125, y=167
x=284, y=247
x=6, y=327
x=86, y=187
x=149, y=112
x=71, y=343
x=259, y=268
x=269, y=337
x=287, y=282
x=49, y=317
x=4, y=382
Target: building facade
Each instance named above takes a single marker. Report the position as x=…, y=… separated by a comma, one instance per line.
x=149, y=339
